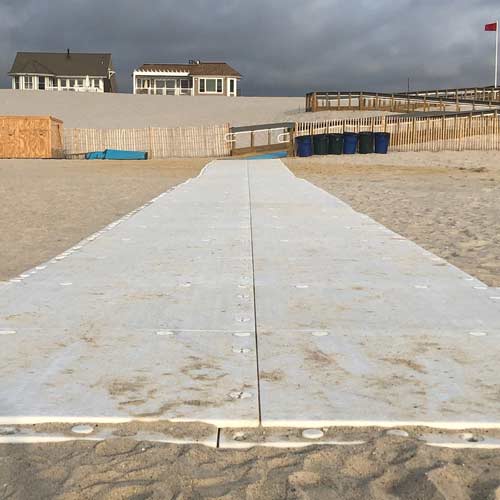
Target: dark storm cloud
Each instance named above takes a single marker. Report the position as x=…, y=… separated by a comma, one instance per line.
x=282, y=47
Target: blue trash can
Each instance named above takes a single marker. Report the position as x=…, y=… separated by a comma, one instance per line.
x=304, y=146
x=382, y=140
x=350, y=143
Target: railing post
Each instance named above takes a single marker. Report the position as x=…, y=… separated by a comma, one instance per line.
x=314, y=102
x=291, y=147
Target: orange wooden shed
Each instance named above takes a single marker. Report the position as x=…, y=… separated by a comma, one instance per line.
x=31, y=137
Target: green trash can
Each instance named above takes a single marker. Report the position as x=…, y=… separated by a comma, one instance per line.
x=335, y=144
x=366, y=143
x=320, y=144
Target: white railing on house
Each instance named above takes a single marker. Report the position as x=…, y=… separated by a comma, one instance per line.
x=165, y=91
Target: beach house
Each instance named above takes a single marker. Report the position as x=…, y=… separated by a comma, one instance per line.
x=194, y=78
x=78, y=72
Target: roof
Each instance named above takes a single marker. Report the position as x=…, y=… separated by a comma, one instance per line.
x=60, y=64
x=194, y=69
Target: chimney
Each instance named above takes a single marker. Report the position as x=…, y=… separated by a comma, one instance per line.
x=67, y=54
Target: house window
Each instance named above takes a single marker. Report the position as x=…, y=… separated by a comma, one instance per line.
x=231, y=86
x=41, y=83
x=185, y=87
x=95, y=82
x=159, y=87
x=17, y=83
x=28, y=82
x=143, y=85
x=170, y=86
x=210, y=85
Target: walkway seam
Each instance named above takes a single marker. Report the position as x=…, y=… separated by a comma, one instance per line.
x=254, y=295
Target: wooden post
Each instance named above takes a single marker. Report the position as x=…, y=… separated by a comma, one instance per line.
x=150, y=142
x=413, y=130
x=495, y=130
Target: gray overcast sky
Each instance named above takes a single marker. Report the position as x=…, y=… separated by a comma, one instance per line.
x=282, y=47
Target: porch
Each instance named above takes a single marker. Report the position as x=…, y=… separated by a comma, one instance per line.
x=164, y=86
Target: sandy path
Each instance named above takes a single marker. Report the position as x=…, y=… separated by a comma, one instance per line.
x=448, y=202
x=47, y=206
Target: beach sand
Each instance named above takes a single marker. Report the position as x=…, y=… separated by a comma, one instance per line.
x=47, y=206
x=384, y=468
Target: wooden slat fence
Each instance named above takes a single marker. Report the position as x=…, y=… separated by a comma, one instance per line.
x=185, y=142
x=455, y=133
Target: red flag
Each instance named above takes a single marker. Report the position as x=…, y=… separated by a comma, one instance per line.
x=491, y=27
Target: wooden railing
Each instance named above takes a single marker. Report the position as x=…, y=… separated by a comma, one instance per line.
x=471, y=93
x=264, y=138
x=462, y=100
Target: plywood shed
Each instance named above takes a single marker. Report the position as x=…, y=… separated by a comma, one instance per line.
x=30, y=137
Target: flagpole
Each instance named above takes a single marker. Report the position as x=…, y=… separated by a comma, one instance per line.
x=496, y=57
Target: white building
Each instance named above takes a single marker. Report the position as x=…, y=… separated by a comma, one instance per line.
x=78, y=72
x=194, y=78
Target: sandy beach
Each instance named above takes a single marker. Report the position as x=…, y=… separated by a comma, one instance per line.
x=49, y=205
x=386, y=467
x=447, y=202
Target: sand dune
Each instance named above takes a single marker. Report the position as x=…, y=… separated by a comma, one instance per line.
x=137, y=111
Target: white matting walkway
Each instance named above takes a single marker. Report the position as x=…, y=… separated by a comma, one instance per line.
x=155, y=317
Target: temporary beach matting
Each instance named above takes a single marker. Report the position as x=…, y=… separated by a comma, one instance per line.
x=249, y=297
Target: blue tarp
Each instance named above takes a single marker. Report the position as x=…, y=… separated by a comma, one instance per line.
x=269, y=156
x=96, y=155
x=116, y=154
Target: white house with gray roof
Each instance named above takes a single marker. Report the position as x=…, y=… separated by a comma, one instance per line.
x=63, y=71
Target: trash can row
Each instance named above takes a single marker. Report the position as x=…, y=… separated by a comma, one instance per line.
x=346, y=143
